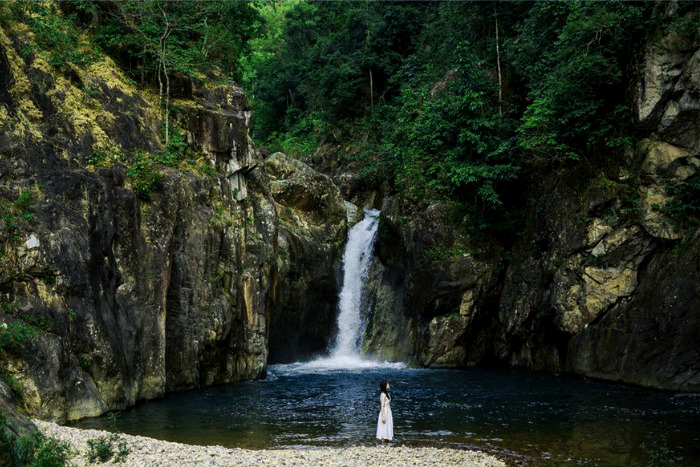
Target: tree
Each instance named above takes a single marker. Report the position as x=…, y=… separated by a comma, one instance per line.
x=334, y=65
x=576, y=59
x=163, y=38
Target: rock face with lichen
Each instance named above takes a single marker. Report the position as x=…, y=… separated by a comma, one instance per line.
x=313, y=227
x=131, y=281
x=430, y=294
x=604, y=280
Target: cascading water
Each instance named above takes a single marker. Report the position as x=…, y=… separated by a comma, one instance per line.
x=356, y=261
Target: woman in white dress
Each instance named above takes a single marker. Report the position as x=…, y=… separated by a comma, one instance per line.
x=385, y=424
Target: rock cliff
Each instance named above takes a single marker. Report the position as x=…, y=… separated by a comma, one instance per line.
x=125, y=271
x=604, y=280
x=313, y=227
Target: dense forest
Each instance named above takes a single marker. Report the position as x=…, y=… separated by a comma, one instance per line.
x=460, y=101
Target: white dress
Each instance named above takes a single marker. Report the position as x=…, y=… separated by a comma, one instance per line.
x=385, y=430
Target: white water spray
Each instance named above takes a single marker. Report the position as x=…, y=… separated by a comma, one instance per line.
x=357, y=259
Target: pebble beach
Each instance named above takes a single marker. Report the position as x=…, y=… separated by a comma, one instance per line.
x=149, y=452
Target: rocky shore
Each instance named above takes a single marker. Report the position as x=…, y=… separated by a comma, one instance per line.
x=152, y=452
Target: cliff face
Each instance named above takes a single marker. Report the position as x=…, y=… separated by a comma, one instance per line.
x=427, y=269
x=125, y=299
x=615, y=290
x=312, y=230
x=650, y=337
x=604, y=280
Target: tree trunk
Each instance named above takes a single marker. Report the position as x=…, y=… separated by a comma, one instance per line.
x=498, y=63
x=160, y=87
x=167, y=104
x=371, y=93
x=164, y=67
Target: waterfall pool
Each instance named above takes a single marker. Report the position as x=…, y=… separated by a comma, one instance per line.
x=551, y=419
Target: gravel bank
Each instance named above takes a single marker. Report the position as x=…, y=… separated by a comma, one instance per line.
x=153, y=452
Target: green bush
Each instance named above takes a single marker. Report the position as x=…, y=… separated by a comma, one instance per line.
x=14, y=335
x=17, y=214
x=175, y=151
x=104, y=156
x=107, y=448
x=146, y=177
x=33, y=450
x=684, y=208
x=39, y=321
x=14, y=385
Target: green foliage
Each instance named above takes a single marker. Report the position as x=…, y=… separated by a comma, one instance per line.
x=419, y=98
x=268, y=43
x=146, y=176
x=331, y=63
x=24, y=202
x=206, y=169
x=684, y=207
x=143, y=167
x=33, y=450
x=18, y=214
x=176, y=150
x=72, y=315
x=576, y=59
x=347, y=69
x=220, y=216
x=299, y=142
x=14, y=336
x=461, y=124
x=105, y=448
x=538, y=137
x=13, y=384
x=84, y=362
x=40, y=322
x=683, y=19
x=438, y=253
x=54, y=32
x=105, y=156
x=154, y=37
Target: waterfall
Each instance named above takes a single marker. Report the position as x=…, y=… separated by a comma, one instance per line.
x=356, y=261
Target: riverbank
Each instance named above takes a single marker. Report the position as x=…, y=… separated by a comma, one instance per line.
x=148, y=452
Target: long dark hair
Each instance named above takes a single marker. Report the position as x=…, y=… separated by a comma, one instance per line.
x=383, y=388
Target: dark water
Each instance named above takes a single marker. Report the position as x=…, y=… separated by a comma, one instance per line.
x=550, y=419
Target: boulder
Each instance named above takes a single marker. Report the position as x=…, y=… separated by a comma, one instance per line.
x=663, y=165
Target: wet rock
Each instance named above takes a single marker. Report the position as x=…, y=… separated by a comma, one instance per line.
x=313, y=225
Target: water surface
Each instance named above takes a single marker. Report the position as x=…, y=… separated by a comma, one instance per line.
x=551, y=419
